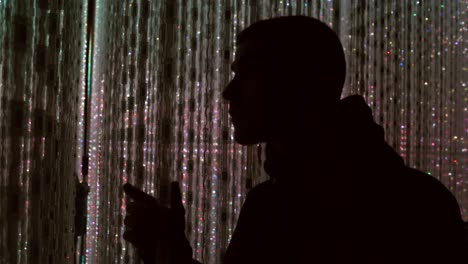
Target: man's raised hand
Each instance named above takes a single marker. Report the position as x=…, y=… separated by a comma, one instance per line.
x=149, y=225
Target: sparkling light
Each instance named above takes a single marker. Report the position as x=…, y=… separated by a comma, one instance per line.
x=157, y=113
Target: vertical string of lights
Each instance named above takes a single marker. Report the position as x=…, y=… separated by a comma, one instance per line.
x=90, y=7
x=82, y=158
x=92, y=133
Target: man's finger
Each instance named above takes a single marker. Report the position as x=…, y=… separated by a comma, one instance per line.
x=131, y=208
x=177, y=207
x=138, y=195
x=129, y=235
x=130, y=221
x=176, y=198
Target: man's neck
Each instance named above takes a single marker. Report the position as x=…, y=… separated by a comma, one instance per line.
x=292, y=154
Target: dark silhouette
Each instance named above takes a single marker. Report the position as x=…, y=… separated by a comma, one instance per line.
x=82, y=190
x=338, y=192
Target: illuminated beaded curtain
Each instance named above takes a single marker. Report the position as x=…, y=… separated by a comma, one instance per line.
x=406, y=58
x=160, y=67
x=41, y=62
x=157, y=114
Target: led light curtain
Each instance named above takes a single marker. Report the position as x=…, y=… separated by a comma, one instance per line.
x=158, y=116
x=41, y=66
x=156, y=113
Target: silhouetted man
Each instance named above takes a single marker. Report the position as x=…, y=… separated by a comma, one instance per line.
x=338, y=193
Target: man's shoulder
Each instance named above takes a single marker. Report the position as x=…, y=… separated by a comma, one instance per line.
x=429, y=192
x=423, y=182
x=261, y=189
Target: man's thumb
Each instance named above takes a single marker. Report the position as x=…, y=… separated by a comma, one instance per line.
x=177, y=207
x=176, y=199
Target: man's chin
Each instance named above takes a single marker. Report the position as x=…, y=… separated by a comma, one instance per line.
x=245, y=140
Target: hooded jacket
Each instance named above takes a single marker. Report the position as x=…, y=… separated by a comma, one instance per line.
x=347, y=198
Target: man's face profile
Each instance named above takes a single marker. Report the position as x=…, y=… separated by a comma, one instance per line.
x=248, y=106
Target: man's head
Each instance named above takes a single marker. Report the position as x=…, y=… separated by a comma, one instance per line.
x=286, y=69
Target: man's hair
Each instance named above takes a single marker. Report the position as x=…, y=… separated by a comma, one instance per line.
x=302, y=45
